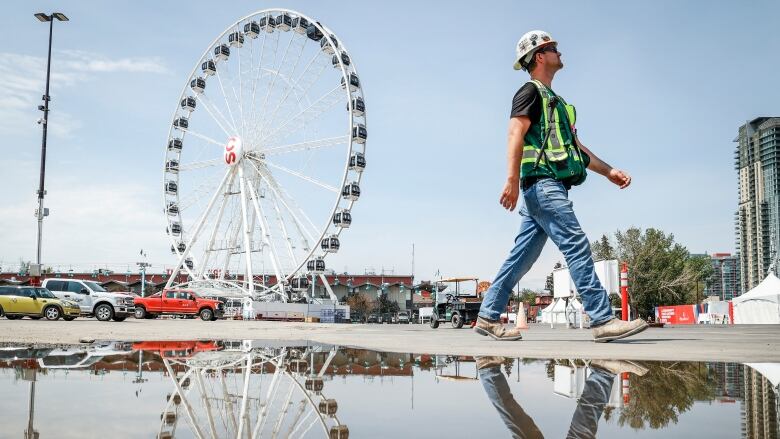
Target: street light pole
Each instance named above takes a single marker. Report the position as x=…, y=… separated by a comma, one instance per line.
x=41, y=212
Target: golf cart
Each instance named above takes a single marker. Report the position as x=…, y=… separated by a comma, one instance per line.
x=456, y=301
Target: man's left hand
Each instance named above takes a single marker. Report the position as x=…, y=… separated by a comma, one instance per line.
x=619, y=177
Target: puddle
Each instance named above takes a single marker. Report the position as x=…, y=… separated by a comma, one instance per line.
x=245, y=388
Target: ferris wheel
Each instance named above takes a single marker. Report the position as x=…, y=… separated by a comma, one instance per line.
x=265, y=153
x=256, y=392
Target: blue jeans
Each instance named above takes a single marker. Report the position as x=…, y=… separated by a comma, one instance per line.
x=547, y=211
x=515, y=418
x=591, y=405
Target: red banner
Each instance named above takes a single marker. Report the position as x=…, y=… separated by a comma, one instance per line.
x=676, y=315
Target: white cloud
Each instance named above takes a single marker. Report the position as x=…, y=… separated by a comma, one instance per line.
x=24, y=79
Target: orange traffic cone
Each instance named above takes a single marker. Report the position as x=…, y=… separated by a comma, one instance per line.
x=521, y=321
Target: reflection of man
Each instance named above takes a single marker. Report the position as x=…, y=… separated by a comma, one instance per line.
x=493, y=380
x=590, y=406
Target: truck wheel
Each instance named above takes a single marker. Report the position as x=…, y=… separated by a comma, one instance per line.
x=206, y=314
x=1, y=311
x=119, y=319
x=457, y=320
x=434, y=321
x=52, y=313
x=140, y=312
x=104, y=312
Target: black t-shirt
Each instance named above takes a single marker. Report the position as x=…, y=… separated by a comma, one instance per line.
x=527, y=102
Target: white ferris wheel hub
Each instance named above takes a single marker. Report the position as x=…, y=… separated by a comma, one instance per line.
x=234, y=150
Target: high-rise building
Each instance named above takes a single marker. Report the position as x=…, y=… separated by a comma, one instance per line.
x=724, y=282
x=757, y=220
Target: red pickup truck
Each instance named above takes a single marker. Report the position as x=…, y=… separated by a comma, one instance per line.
x=178, y=302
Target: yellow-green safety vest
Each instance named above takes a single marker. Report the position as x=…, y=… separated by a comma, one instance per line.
x=560, y=158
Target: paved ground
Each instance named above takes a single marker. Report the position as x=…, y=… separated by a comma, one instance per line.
x=742, y=343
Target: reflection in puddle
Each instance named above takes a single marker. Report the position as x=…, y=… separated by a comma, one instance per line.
x=245, y=388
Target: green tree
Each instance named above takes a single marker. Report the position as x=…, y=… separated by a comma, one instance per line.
x=660, y=271
x=527, y=295
x=602, y=249
x=668, y=390
x=385, y=305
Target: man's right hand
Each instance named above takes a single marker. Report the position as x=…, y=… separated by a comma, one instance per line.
x=510, y=194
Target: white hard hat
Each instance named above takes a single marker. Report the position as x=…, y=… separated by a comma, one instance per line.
x=528, y=44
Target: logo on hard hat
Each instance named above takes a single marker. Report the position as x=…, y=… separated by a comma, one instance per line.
x=534, y=37
x=545, y=38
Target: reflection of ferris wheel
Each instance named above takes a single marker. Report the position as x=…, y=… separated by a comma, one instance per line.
x=266, y=392
x=264, y=157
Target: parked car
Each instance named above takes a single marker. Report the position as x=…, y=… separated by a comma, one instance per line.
x=35, y=302
x=93, y=299
x=387, y=318
x=403, y=317
x=373, y=318
x=180, y=303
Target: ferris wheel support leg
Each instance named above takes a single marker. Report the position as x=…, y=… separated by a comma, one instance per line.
x=206, y=403
x=187, y=406
x=244, y=396
x=213, y=236
x=264, y=226
x=194, y=237
x=249, y=280
x=326, y=364
x=328, y=288
x=271, y=390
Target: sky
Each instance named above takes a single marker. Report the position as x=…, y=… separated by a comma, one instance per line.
x=660, y=89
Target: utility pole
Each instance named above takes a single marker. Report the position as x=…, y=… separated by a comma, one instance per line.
x=42, y=212
x=142, y=266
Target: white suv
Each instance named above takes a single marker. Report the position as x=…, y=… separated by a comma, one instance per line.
x=93, y=299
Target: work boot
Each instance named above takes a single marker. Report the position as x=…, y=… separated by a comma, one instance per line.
x=619, y=366
x=495, y=329
x=616, y=329
x=488, y=362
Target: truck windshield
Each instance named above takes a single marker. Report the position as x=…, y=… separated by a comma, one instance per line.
x=94, y=286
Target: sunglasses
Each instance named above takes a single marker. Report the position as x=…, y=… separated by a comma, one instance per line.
x=551, y=48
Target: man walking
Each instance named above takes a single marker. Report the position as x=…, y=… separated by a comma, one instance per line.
x=545, y=159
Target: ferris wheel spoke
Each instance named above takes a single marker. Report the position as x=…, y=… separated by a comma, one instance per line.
x=229, y=77
x=200, y=164
x=305, y=146
x=309, y=114
x=206, y=104
x=269, y=70
x=258, y=74
x=266, y=233
x=287, y=240
x=276, y=190
x=287, y=76
x=303, y=177
x=203, y=137
x=197, y=193
x=276, y=75
x=227, y=104
x=303, y=83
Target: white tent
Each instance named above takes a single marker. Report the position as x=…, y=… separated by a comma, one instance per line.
x=759, y=305
x=558, y=312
